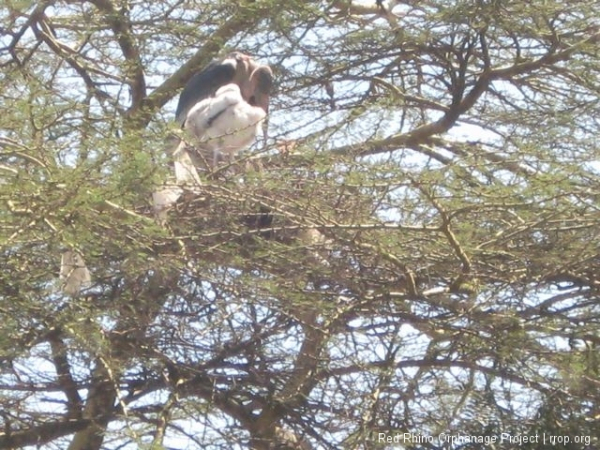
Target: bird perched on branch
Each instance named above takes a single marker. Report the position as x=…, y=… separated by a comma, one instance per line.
x=222, y=108
x=224, y=124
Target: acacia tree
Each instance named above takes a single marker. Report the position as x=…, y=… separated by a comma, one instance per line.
x=431, y=262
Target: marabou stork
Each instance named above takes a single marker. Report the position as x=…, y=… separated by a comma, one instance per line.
x=222, y=107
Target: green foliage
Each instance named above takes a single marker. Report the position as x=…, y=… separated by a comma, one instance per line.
x=427, y=260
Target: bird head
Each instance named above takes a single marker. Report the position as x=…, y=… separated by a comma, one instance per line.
x=261, y=81
x=254, y=80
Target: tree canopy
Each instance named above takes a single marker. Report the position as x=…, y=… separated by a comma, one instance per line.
x=431, y=260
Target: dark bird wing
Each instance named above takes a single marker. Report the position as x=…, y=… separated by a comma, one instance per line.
x=203, y=85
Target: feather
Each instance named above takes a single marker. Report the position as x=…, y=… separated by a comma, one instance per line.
x=74, y=274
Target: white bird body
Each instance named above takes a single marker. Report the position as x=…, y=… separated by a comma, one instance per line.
x=74, y=274
x=223, y=125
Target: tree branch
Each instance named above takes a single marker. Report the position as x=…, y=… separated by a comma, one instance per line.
x=65, y=379
x=41, y=434
x=423, y=134
x=68, y=54
x=133, y=67
x=163, y=93
x=98, y=410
